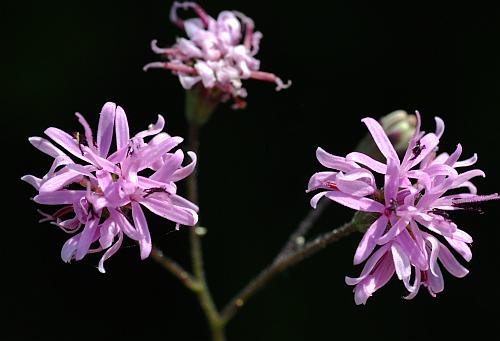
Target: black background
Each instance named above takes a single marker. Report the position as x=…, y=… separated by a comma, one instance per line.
x=347, y=61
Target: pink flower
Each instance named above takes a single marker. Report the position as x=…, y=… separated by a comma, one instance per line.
x=106, y=192
x=412, y=210
x=218, y=53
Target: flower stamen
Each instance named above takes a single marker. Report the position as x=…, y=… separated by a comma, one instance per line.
x=417, y=150
x=152, y=190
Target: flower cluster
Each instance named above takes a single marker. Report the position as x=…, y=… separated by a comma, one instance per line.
x=103, y=194
x=219, y=53
x=412, y=209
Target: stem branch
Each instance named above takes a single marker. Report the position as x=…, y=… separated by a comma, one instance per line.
x=175, y=269
x=281, y=263
x=295, y=240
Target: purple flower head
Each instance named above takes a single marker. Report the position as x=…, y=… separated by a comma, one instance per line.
x=412, y=210
x=218, y=53
x=103, y=194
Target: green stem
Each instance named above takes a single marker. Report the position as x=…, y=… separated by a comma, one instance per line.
x=203, y=293
x=177, y=270
x=217, y=329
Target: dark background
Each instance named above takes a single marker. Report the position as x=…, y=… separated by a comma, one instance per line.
x=347, y=61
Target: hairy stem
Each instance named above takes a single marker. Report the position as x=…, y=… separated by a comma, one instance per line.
x=177, y=270
x=296, y=239
x=193, y=145
x=192, y=183
x=281, y=263
x=203, y=294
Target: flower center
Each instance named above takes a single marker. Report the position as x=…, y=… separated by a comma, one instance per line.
x=391, y=208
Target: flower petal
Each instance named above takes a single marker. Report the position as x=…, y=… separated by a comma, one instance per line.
x=367, y=161
x=59, y=181
x=169, y=167
x=436, y=282
x=439, y=127
x=413, y=251
x=369, y=241
x=151, y=153
x=66, y=141
x=393, y=231
x=188, y=82
x=107, y=232
x=32, y=180
x=69, y=248
x=373, y=282
x=452, y=159
x=450, y=262
x=206, y=73
x=315, y=199
x=185, y=171
x=180, y=201
x=370, y=265
x=60, y=197
x=355, y=188
x=401, y=262
x=381, y=139
x=86, y=237
x=142, y=228
x=384, y=272
x=171, y=212
x=105, y=128
x=359, y=204
x=435, y=249
x=428, y=144
x=46, y=146
x=413, y=141
x=119, y=156
x=124, y=224
x=466, y=176
x=334, y=162
x=416, y=286
x=121, y=128
x=109, y=252
x=441, y=170
x=153, y=129
x=148, y=183
x=461, y=247
x=470, y=186
x=88, y=131
x=466, y=163
x=363, y=291
x=462, y=236
x=320, y=180
x=101, y=162
x=391, y=181
x=104, y=179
